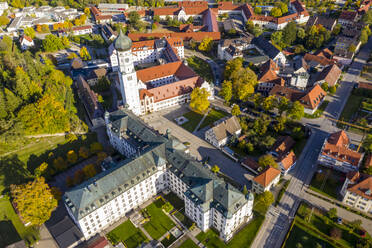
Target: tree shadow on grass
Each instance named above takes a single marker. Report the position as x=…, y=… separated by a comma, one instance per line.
x=8, y=234
x=13, y=171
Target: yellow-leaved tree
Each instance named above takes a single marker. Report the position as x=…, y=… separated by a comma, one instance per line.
x=206, y=44
x=34, y=201
x=199, y=100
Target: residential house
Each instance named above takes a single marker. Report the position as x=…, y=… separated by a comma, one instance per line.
x=99, y=17
x=364, y=6
x=297, y=73
x=310, y=99
x=266, y=180
x=336, y=153
x=283, y=154
x=320, y=59
x=357, y=191
x=265, y=47
x=220, y=134
x=329, y=74
x=327, y=22
x=232, y=48
x=345, y=49
x=3, y=7
x=348, y=18
x=157, y=163
x=112, y=8
x=95, y=75
x=80, y=30
x=26, y=42
x=268, y=77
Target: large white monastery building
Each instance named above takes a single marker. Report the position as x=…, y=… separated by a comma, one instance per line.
x=157, y=87
x=155, y=163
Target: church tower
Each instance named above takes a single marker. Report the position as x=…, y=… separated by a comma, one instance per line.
x=127, y=74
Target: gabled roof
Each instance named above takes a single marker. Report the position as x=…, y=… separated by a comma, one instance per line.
x=329, y=74
x=288, y=160
x=25, y=37
x=268, y=71
x=282, y=145
x=339, y=138
x=326, y=22
x=267, y=176
x=348, y=15
x=313, y=97
x=268, y=48
x=362, y=187
x=226, y=128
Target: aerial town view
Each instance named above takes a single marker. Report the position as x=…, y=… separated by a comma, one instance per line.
x=186, y=123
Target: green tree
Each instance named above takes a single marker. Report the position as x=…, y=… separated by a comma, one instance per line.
x=332, y=89
x=226, y=91
x=72, y=157
x=267, y=160
x=367, y=17
x=83, y=152
x=156, y=18
x=290, y=33
x=260, y=125
x=30, y=32
x=206, y=44
x=4, y=20
x=232, y=66
x=84, y=54
x=41, y=169
x=355, y=224
x=277, y=38
x=235, y=110
x=153, y=26
x=352, y=48
x=367, y=143
x=269, y=103
x=245, y=190
x=3, y=107
x=258, y=10
x=301, y=33
x=280, y=125
x=87, y=11
x=296, y=111
x=199, y=100
x=215, y=169
x=283, y=7
x=12, y=101
x=276, y=12
x=363, y=37
x=89, y=171
x=34, y=200
x=263, y=202
x=337, y=29
x=95, y=147
x=332, y=213
x=325, y=86
x=134, y=17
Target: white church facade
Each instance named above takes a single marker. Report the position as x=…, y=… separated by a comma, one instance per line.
x=158, y=87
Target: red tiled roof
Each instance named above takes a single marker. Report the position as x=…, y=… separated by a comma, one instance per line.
x=320, y=59
x=29, y=39
x=348, y=15
x=197, y=36
x=268, y=71
x=313, y=97
x=251, y=163
x=82, y=27
x=193, y=4
x=100, y=243
x=287, y=160
x=330, y=74
x=365, y=85
x=363, y=186
x=368, y=162
x=339, y=138
x=283, y=145
x=267, y=176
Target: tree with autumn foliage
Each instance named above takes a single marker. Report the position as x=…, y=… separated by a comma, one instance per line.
x=83, y=152
x=199, y=100
x=89, y=171
x=206, y=44
x=34, y=201
x=84, y=54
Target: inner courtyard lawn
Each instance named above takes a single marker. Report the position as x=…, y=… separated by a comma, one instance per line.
x=159, y=222
x=188, y=244
x=333, y=182
x=213, y=115
x=193, y=120
x=128, y=234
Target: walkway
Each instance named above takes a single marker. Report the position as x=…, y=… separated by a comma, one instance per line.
x=201, y=121
x=145, y=232
x=341, y=212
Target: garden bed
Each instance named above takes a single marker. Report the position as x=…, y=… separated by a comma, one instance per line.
x=128, y=234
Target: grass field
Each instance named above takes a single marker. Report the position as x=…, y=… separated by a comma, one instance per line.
x=333, y=181
x=351, y=107
x=128, y=234
x=243, y=238
x=11, y=227
x=201, y=67
x=159, y=222
x=213, y=115
x=310, y=231
x=193, y=120
x=188, y=244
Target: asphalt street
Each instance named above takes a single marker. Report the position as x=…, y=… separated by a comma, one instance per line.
x=277, y=222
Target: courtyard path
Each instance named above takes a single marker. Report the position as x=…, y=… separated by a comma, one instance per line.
x=201, y=121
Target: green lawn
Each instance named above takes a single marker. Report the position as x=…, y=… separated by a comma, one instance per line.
x=351, y=107
x=11, y=227
x=193, y=120
x=331, y=187
x=128, y=234
x=317, y=229
x=213, y=115
x=300, y=235
x=188, y=244
x=159, y=222
x=167, y=241
x=243, y=238
x=186, y=221
x=201, y=67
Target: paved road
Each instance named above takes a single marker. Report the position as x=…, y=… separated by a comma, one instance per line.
x=199, y=148
x=278, y=219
